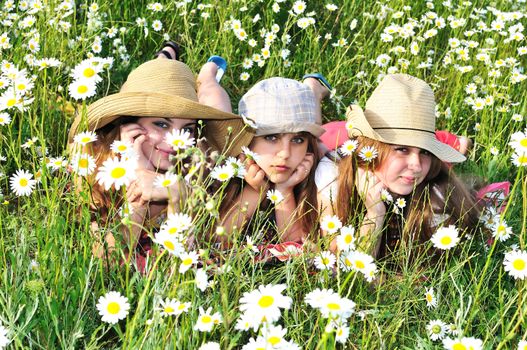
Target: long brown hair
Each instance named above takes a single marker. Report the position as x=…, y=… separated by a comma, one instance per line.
x=305, y=192
x=440, y=193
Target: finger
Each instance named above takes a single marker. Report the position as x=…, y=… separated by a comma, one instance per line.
x=242, y=158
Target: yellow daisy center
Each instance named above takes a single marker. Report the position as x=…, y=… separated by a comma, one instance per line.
x=523, y=142
x=519, y=264
x=325, y=261
x=348, y=239
x=178, y=143
x=266, y=301
x=181, y=307
x=172, y=230
x=459, y=346
x=85, y=139
x=436, y=329
x=23, y=182
x=169, y=245
x=206, y=319
x=223, y=176
x=446, y=240
x=169, y=309
x=83, y=163
x=331, y=225
x=348, y=262
x=82, y=89
x=522, y=159
x=88, y=72
x=274, y=340
x=113, y=307
x=21, y=86
x=333, y=306
x=359, y=264
x=165, y=183
x=429, y=298
x=187, y=261
x=122, y=148
x=11, y=102
x=117, y=173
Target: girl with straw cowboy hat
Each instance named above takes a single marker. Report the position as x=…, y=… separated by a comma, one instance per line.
x=394, y=155
x=157, y=97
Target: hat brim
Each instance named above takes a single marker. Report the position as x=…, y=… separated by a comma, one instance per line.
x=409, y=137
x=312, y=128
x=225, y=131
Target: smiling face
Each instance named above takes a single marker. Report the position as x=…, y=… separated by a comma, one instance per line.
x=155, y=147
x=404, y=168
x=280, y=154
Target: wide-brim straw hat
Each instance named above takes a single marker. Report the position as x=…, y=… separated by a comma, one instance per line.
x=281, y=105
x=401, y=111
x=166, y=89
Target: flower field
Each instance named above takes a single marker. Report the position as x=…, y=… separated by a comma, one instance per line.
x=58, y=57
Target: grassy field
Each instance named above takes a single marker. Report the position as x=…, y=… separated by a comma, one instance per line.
x=472, y=53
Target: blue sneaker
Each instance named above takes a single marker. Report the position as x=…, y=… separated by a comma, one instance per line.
x=222, y=66
x=320, y=78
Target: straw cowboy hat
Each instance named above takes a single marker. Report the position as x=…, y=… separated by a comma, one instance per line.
x=166, y=89
x=281, y=105
x=401, y=111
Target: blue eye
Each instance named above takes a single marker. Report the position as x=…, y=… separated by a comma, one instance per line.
x=298, y=139
x=190, y=128
x=272, y=137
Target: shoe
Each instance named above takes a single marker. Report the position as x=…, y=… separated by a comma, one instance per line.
x=322, y=80
x=174, y=46
x=222, y=66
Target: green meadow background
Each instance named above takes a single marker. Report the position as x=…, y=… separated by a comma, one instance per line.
x=49, y=280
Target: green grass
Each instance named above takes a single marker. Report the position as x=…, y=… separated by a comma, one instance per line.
x=54, y=305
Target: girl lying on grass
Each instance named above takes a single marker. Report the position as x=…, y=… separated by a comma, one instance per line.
x=280, y=163
x=395, y=157
x=158, y=97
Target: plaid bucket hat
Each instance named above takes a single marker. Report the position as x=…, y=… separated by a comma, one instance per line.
x=281, y=105
x=401, y=111
x=166, y=89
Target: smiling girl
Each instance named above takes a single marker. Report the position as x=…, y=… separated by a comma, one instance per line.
x=159, y=96
x=394, y=154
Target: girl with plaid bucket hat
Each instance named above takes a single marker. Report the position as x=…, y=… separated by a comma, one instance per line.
x=278, y=194
x=158, y=96
x=394, y=183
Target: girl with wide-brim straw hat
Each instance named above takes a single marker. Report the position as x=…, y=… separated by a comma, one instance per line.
x=395, y=155
x=157, y=96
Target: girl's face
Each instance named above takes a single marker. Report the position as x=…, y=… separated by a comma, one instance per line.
x=155, y=148
x=280, y=154
x=404, y=168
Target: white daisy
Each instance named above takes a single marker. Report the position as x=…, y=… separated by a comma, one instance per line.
x=437, y=329
x=5, y=118
x=522, y=345
x=445, y=237
x=264, y=303
x=468, y=343
x=187, y=260
x=22, y=183
x=325, y=261
x=237, y=165
x=210, y=346
x=171, y=243
x=349, y=147
x=222, y=173
x=168, y=307
x=368, y=153
x=519, y=159
x=117, y=173
x=113, y=307
x=207, y=320
x=87, y=71
x=85, y=137
x=386, y=196
x=357, y=261
x=56, y=163
x=177, y=223
x=346, y=239
x=275, y=196
x=179, y=139
x=201, y=279
x=250, y=154
x=121, y=147
x=274, y=336
x=330, y=224
x=430, y=298
x=515, y=263
x=4, y=340
x=83, y=164
x=82, y=89
x=501, y=230
x=165, y=180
